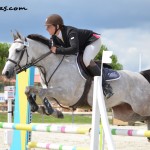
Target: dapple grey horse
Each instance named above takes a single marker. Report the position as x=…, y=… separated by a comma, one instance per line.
x=61, y=80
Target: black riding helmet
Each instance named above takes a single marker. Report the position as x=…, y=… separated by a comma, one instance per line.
x=55, y=20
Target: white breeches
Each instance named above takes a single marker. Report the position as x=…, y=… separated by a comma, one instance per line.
x=91, y=51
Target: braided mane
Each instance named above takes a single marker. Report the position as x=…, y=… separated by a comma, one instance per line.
x=39, y=38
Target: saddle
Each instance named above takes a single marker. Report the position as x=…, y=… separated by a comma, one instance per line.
x=108, y=73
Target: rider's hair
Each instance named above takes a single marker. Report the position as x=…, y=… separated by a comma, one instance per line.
x=55, y=20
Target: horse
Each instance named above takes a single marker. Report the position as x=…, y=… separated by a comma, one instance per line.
x=62, y=81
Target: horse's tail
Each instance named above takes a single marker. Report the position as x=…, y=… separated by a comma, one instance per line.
x=146, y=74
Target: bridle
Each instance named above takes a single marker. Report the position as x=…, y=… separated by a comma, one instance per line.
x=19, y=68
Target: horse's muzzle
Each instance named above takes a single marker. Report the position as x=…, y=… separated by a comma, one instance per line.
x=8, y=74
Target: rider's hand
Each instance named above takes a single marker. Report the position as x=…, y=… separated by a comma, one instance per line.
x=53, y=49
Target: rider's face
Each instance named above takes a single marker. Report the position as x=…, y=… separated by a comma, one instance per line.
x=50, y=29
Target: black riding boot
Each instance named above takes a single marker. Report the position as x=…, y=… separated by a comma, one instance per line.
x=96, y=71
x=107, y=89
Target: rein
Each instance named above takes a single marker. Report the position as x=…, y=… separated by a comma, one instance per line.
x=33, y=63
x=44, y=72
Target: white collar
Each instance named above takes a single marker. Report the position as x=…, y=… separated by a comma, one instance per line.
x=60, y=35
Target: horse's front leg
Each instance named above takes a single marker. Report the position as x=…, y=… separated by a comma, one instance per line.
x=47, y=109
x=31, y=89
x=43, y=94
x=31, y=92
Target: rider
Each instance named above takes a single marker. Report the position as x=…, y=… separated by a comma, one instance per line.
x=68, y=40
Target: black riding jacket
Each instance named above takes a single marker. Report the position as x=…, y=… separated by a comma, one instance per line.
x=74, y=40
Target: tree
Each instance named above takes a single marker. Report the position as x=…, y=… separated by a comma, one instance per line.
x=115, y=64
x=3, y=55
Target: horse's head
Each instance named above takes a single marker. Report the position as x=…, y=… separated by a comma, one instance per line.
x=17, y=57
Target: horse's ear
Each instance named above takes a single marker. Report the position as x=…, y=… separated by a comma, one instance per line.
x=15, y=37
x=19, y=35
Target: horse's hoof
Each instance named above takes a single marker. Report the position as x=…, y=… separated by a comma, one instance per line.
x=33, y=105
x=34, y=108
x=148, y=139
x=60, y=114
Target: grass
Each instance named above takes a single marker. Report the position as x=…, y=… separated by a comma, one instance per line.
x=38, y=118
x=78, y=119
x=3, y=117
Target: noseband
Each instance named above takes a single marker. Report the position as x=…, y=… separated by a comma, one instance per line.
x=19, y=68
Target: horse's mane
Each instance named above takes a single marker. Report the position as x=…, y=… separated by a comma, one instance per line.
x=146, y=74
x=39, y=38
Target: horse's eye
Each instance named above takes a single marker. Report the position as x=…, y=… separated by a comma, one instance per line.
x=17, y=50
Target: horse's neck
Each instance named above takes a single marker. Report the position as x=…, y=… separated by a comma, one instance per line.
x=36, y=49
x=57, y=67
x=48, y=64
x=51, y=62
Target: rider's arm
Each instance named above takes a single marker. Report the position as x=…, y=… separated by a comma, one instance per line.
x=74, y=45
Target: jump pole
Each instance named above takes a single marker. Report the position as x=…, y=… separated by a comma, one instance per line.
x=71, y=129
x=54, y=146
x=46, y=128
x=22, y=112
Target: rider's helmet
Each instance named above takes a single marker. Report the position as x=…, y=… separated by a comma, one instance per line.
x=54, y=19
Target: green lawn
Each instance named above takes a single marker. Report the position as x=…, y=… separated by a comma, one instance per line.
x=3, y=117
x=38, y=118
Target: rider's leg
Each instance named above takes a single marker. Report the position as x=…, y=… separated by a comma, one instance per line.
x=89, y=53
x=95, y=71
x=107, y=89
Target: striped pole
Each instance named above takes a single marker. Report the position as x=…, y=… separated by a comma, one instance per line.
x=54, y=146
x=127, y=132
x=47, y=128
x=70, y=129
